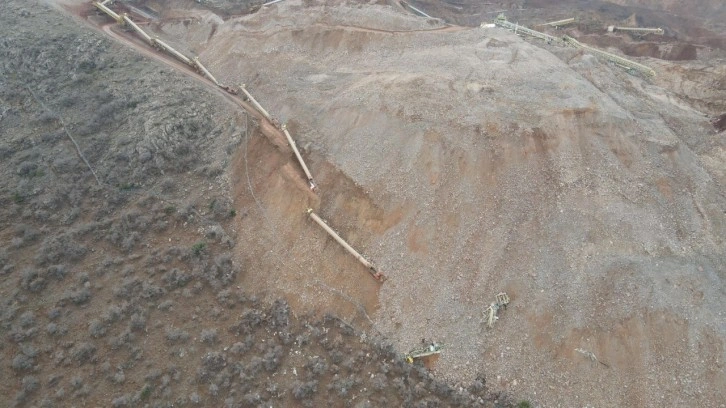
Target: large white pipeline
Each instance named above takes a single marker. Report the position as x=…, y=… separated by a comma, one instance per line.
x=372, y=269
x=205, y=71
x=299, y=157
x=638, y=30
x=138, y=29
x=255, y=103
x=623, y=62
x=111, y=13
x=166, y=47
x=420, y=12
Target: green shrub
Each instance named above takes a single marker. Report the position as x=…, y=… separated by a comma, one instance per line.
x=198, y=248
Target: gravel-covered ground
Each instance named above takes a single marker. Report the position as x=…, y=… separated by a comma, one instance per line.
x=465, y=162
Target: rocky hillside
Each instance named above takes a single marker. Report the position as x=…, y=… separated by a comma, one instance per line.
x=467, y=161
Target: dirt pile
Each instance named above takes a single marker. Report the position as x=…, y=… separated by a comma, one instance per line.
x=468, y=161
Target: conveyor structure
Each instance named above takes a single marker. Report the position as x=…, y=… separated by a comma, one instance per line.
x=430, y=350
x=501, y=21
x=558, y=23
x=637, y=30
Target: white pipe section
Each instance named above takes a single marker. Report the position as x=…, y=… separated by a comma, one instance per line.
x=623, y=62
x=108, y=11
x=502, y=22
x=658, y=31
x=299, y=157
x=377, y=275
x=138, y=29
x=426, y=354
x=255, y=103
x=559, y=22
x=205, y=71
x=416, y=10
x=271, y=2
x=172, y=51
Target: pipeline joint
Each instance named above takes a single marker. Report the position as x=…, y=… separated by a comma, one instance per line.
x=377, y=275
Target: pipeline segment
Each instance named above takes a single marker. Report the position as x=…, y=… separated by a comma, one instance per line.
x=637, y=30
x=559, y=23
x=421, y=13
x=205, y=71
x=255, y=103
x=166, y=47
x=372, y=269
x=108, y=11
x=501, y=21
x=611, y=57
x=299, y=157
x=138, y=29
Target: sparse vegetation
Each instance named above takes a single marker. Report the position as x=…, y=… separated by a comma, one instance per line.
x=198, y=248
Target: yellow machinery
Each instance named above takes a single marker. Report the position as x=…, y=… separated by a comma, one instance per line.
x=501, y=300
x=431, y=349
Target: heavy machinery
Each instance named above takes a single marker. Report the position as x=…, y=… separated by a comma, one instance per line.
x=501, y=300
x=429, y=350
